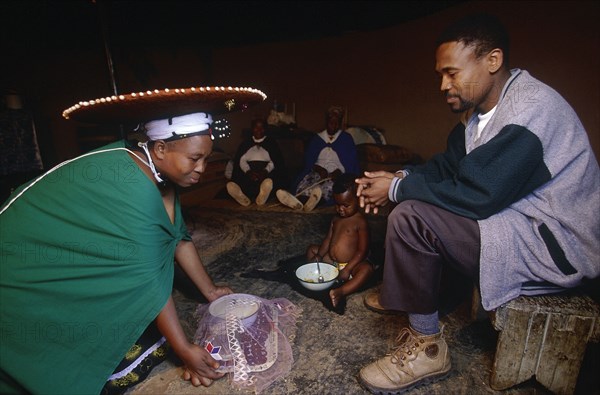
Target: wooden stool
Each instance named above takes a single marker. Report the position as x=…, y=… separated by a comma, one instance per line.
x=546, y=337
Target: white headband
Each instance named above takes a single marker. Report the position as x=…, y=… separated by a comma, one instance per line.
x=179, y=127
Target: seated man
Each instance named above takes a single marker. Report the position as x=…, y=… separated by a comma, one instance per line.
x=330, y=153
x=509, y=203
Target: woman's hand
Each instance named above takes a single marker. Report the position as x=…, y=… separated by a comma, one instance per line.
x=199, y=366
x=217, y=292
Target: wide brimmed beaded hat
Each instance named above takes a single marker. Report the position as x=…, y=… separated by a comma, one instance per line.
x=163, y=104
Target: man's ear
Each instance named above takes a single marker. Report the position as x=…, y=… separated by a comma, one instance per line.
x=159, y=148
x=495, y=60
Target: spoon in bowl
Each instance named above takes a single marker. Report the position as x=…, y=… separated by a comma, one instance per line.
x=320, y=279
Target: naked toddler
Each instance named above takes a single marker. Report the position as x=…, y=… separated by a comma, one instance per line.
x=347, y=242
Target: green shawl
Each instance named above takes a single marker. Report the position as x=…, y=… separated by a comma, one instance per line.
x=86, y=264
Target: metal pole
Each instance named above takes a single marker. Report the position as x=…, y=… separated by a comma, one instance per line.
x=109, y=60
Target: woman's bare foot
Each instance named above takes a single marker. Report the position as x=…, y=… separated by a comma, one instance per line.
x=336, y=295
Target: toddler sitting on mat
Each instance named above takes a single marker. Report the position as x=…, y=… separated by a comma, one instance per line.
x=347, y=242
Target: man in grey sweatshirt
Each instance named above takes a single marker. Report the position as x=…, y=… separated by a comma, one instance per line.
x=513, y=202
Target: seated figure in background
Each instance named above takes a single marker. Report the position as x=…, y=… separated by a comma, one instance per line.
x=258, y=167
x=330, y=153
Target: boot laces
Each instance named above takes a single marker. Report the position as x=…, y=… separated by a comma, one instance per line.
x=407, y=346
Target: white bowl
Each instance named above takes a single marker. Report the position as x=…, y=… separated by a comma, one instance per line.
x=242, y=306
x=308, y=275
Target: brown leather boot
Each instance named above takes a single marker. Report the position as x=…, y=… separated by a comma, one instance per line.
x=371, y=302
x=417, y=360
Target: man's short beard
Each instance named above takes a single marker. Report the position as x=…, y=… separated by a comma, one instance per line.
x=464, y=106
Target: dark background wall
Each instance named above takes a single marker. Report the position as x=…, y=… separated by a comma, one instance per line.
x=383, y=74
x=386, y=77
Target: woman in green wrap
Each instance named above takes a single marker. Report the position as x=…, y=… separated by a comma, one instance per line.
x=87, y=261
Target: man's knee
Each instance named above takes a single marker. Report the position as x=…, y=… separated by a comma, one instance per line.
x=405, y=213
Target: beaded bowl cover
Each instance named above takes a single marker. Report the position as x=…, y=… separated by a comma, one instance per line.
x=163, y=104
x=250, y=337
